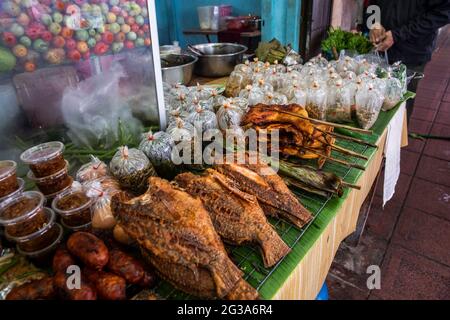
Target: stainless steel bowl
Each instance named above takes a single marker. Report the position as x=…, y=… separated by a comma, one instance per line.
x=177, y=68
x=218, y=59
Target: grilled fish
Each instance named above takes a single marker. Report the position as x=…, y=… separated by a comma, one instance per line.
x=236, y=215
x=177, y=237
x=272, y=193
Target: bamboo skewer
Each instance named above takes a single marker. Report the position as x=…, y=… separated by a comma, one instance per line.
x=349, y=165
x=331, y=124
x=349, y=152
x=344, y=137
x=349, y=185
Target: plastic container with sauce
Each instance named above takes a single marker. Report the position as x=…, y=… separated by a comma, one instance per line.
x=53, y=183
x=45, y=255
x=17, y=192
x=74, y=207
x=45, y=159
x=24, y=214
x=50, y=197
x=8, y=177
x=86, y=227
x=40, y=239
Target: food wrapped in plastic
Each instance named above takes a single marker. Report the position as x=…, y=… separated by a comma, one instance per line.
x=200, y=92
x=157, y=147
x=291, y=77
x=333, y=79
x=368, y=105
x=237, y=81
x=276, y=79
x=216, y=100
x=378, y=83
x=179, y=102
x=393, y=93
x=204, y=119
x=102, y=215
x=256, y=65
x=260, y=82
x=365, y=66
x=244, y=68
x=346, y=63
x=229, y=115
x=92, y=170
x=241, y=103
x=320, y=61
x=316, y=102
x=203, y=104
x=180, y=130
x=254, y=95
x=131, y=168
x=275, y=98
x=173, y=115
x=339, y=103
x=295, y=94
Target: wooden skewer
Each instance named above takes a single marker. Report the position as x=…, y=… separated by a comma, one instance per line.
x=344, y=137
x=349, y=185
x=331, y=124
x=349, y=152
x=349, y=165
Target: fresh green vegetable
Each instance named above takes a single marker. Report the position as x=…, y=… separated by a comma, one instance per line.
x=339, y=40
x=271, y=51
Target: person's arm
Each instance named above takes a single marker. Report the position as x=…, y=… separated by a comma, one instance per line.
x=437, y=16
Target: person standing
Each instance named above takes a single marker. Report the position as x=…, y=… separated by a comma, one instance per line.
x=408, y=31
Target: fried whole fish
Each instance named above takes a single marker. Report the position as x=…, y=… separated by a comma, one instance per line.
x=260, y=180
x=177, y=237
x=236, y=215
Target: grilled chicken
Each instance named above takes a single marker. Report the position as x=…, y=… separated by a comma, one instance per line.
x=236, y=215
x=257, y=178
x=177, y=237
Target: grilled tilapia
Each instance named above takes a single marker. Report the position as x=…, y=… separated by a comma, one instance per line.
x=236, y=215
x=272, y=193
x=177, y=237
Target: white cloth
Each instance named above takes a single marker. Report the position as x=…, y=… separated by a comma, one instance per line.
x=392, y=152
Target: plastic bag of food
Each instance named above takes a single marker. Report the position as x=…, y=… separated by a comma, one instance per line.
x=244, y=68
x=229, y=116
x=393, y=93
x=295, y=94
x=275, y=79
x=200, y=92
x=158, y=149
x=92, y=170
x=102, y=215
x=237, y=81
x=203, y=119
x=202, y=104
x=316, y=102
x=275, y=98
x=180, y=102
x=131, y=168
x=346, y=63
x=368, y=105
x=239, y=102
x=254, y=95
x=180, y=130
x=260, y=82
x=339, y=102
x=92, y=110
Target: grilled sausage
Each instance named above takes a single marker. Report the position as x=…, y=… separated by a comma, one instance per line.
x=62, y=260
x=35, y=290
x=85, y=292
x=126, y=266
x=108, y=285
x=89, y=249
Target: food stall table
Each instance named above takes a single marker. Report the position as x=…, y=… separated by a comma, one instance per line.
x=303, y=272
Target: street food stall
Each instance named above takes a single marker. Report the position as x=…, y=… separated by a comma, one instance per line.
x=91, y=178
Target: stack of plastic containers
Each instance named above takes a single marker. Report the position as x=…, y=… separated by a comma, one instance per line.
x=10, y=185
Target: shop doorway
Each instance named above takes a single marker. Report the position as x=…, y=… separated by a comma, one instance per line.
x=316, y=18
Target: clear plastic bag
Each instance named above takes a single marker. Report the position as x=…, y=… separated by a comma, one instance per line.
x=254, y=95
x=201, y=93
x=131, y=168
x=237, y=81
x=339, y=103
x=275, y=98
x=229, y=116
x=180, y=130
x=275, y=79
x=203, y=119
x=295, y=94
x=102, y=215
x=94, y=169
x=346, y=63
x=202, y=104
x=93, y=108
x=316, y=102
x=393, y=93
x=158, y=148
x=368, y=105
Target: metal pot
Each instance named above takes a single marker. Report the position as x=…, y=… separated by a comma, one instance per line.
x=218, y=59
x=177, y=68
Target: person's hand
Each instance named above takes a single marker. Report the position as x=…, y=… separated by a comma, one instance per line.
x=387, y=43
x=377, y=34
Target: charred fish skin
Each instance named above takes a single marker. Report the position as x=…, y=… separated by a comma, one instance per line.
x=177, y=233
x=274, y=196
x=236, y=215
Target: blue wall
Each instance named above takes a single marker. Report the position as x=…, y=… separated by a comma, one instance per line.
x=176, y=15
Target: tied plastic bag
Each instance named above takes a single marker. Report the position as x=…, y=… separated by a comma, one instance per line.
x=254, y=95
x=158, y=148
x=93, y=108
x=229, y=116
x=368, y=106
x=180, y=130
x=316, y=102
x=102, y=216
x=237, y=81
x=393, y=93
x=92, y=170
x=131, y=168
x=339, y=103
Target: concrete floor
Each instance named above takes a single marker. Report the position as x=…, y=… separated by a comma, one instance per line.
x=410, y=238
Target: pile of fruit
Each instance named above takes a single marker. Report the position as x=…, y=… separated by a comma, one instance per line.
x=36, y=33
